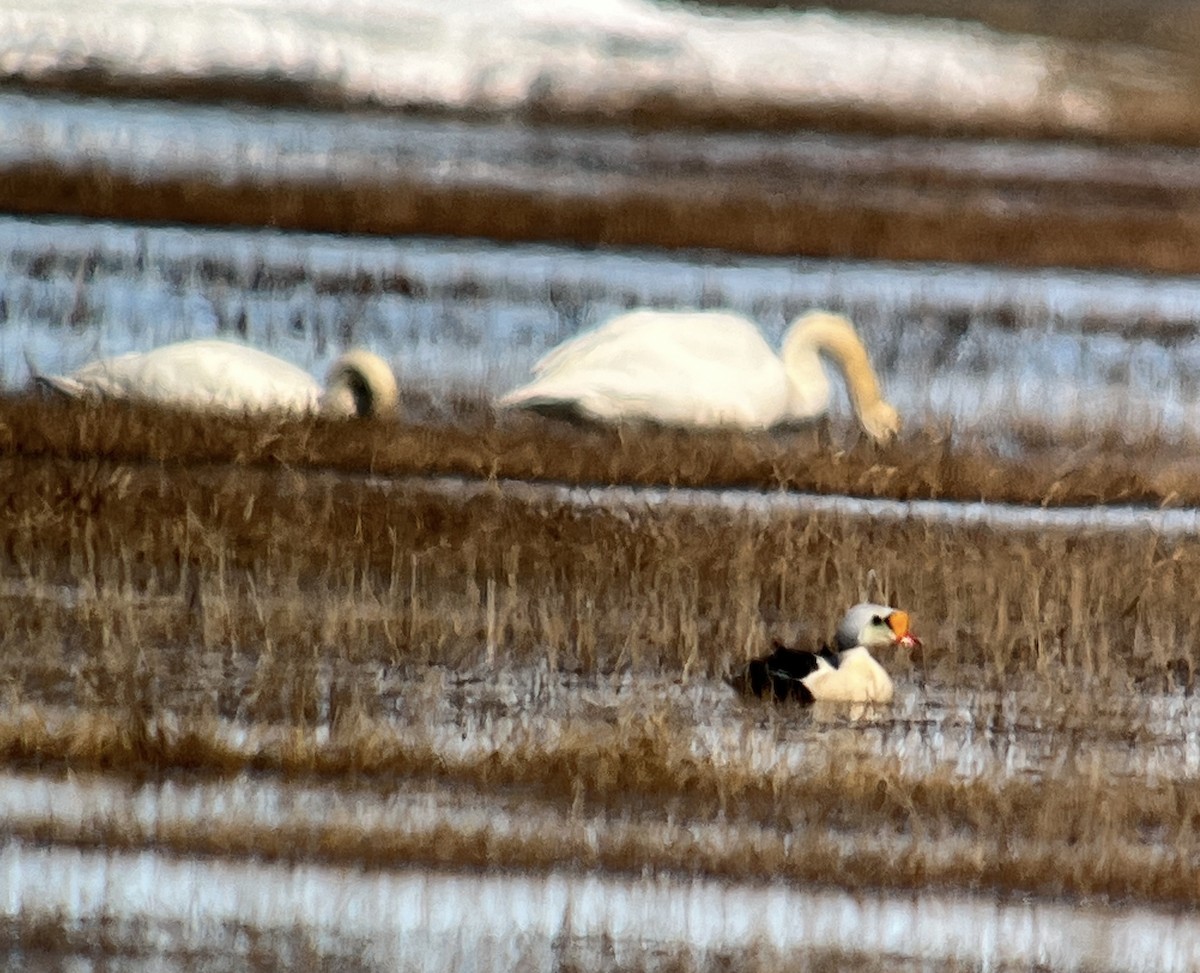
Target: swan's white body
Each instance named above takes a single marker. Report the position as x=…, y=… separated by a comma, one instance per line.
x=210, y=374
x=705, y=369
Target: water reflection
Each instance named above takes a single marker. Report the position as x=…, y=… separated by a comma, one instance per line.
x=501, y=922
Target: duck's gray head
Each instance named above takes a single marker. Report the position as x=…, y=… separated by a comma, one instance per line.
x=875, y=627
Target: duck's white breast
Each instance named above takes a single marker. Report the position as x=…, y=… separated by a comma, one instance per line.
x=857, y=679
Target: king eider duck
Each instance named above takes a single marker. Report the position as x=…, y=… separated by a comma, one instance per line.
x=215, y=375
x=705, y=369
x=846, y=673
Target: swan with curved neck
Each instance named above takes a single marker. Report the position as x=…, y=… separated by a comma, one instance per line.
x=216, y=375
x=706, y=369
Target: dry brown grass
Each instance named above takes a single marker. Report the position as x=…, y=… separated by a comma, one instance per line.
x=634, y=797
x=468, y=439
x=54, y=941
x=166, y=578
x=909, y=217
x=231, y=556
x=234, y=564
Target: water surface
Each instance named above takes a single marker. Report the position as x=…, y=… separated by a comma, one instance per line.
x=978, y=347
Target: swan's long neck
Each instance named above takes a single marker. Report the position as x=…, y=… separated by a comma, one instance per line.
x=360, y=384
x=835, y=336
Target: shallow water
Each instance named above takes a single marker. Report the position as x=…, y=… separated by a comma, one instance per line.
x=1025, y=730
x=492, y=922
x=170, y=139
x=1116, y=518
x=978, y=347
x=388, y=917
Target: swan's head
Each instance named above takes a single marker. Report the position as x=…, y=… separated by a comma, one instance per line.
x=875, y=627
x=881, y=421
x=360, y=384
x=834, y=335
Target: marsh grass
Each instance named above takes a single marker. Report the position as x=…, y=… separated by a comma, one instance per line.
x=259, y=603
x=1036, y=466
x=235, y=560
x=286, y=568
x=634, y=796
x=907, y=217
x=51, y=941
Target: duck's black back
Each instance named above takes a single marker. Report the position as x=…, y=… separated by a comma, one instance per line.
x=780, y=673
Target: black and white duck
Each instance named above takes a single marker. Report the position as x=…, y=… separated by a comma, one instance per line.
x=845, y=672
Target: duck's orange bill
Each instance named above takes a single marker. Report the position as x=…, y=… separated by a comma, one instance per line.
x=898, y=623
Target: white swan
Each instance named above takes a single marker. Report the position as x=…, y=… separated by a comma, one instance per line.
x=845, y=673
x=706, y=368
x=210, y=374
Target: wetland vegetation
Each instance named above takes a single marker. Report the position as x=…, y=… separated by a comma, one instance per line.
x=286, y=694
x=177, y=611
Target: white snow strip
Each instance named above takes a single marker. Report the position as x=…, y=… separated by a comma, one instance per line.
x=583, y=53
